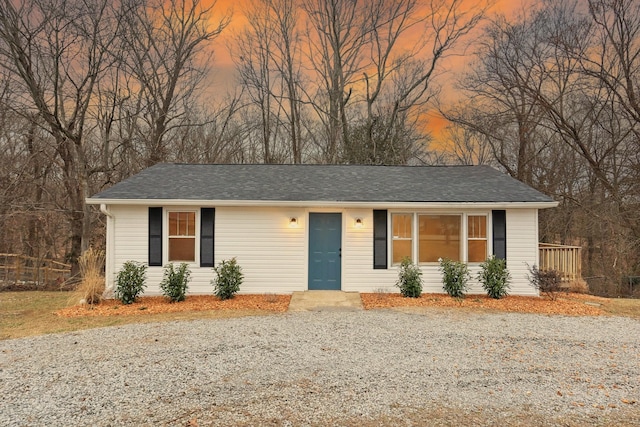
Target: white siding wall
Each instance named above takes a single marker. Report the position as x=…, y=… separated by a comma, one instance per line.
x=522, y=248
x=271, y=253
x=359, y=275
x=131, y=235
x=273, y=256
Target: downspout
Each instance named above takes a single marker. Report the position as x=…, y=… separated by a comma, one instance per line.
x=109, y=273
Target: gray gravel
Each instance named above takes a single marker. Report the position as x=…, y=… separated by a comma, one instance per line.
x=416, y=367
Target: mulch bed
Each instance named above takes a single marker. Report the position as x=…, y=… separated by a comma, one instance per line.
x=154, y=305
x=570, y=304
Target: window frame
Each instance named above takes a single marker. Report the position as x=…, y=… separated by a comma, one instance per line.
x=404, y=239
x=195, y=237
x=485, y=239
x=464, y=234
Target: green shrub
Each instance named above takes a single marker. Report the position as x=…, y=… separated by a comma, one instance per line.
x=228, y=279
x=175, y=282
x=409, y=280
x=455, y=277
x=495, y=277
x=545, y=281
x=130, y=281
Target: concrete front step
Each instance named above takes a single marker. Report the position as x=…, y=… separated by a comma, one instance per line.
x=325, y=301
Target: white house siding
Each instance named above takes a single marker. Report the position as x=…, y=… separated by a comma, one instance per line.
x=357, y=261
x=131, y=235
x=358, y=274
x=522, y=248
x=273, y=255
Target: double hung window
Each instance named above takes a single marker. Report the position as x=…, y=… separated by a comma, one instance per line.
x=476, y=238
x=182, y=236
x=402, y=244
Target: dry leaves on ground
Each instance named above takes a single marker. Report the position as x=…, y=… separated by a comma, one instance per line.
x=566, y=304
x=153, y=305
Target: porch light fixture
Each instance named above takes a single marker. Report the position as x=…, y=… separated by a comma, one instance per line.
x=358, y=223
x=293, y=222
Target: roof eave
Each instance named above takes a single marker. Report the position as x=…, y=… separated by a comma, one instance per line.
x=323, y=203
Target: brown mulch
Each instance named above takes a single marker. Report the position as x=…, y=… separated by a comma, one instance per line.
x=570, y=304
x=154, y=305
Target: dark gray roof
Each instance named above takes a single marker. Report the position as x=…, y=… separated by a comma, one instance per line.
x=348, y=183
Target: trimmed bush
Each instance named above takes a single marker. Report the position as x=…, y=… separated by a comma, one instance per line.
x=455, y=277
x=130, y=281
x=409, y=280
x=495, y=277
x=228, y=279
x=175, y=282
x=545, y=281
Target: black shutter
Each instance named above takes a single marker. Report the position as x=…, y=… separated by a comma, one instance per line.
x=155, y=237
x=500, y=234
x=207, y=221
x=379, y=239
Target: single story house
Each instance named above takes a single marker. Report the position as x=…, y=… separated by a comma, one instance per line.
x=306, y=227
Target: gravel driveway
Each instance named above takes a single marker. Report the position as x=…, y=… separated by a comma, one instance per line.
x=382, y=367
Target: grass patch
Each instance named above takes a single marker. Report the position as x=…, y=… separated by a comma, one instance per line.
x=29, y=313
x=622, y=307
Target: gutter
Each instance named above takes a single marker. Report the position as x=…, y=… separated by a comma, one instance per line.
x=104, y=210
x=324, y=204
x=109, y=267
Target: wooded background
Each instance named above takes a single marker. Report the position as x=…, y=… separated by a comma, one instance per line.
x=93, y=91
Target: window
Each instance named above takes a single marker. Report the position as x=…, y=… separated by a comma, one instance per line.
x=476, y=238
x=182, y=236
x=402, y=237
x=439, y=237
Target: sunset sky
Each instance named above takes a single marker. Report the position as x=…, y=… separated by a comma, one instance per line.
x=222, y=75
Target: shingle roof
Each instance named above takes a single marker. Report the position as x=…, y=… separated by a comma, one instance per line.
x=317, y=183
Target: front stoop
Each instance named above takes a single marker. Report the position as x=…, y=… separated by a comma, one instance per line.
x=325, y=301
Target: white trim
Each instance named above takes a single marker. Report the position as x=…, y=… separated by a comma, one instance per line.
x=325, y=204
x=467, y=238
x=414, y=249
x=166, y=237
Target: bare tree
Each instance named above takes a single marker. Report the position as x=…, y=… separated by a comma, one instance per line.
x=500, y=107
x=268, y=56
x=55, y=51
x=252, y=56
x=465, y=146
x=337, y=34
x=166, y=43
x=553, y=94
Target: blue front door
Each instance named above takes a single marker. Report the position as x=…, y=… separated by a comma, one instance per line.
x=325, y=251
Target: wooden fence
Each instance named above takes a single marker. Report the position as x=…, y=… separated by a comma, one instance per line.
x=565, y=259
x=20, y=269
